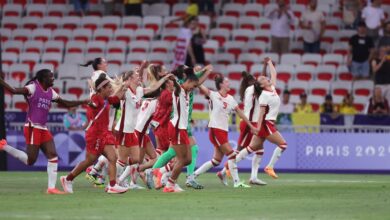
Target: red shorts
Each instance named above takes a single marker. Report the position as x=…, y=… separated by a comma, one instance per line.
x=218, y=137
x=178, y=136
x=110, y=138
x=127, y=139
x=36, y=136
x=245, y=134
x=161, y=134
x=143, y=139
x=97, y=143
x=267, y=128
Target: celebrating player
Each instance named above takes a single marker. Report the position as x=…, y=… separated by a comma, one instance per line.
x=220, y=106
x=39, y=95
x=98, y=137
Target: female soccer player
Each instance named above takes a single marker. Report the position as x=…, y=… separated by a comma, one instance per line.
x=148, y=107
x=180, y=72
x=177, y=128
x=39, y=96
x=129, y=152
x=97, y=136
x=221, y=104
x=269, y=102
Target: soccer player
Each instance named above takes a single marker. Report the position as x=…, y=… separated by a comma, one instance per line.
x=39, y=95
x=149, y=103
x=170, y=153
x=98, y=137
x=221, y=104
x=129, y=152
x=269, y=102
x=177, y=128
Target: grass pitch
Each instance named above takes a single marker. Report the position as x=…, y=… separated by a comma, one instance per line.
x=293, y=196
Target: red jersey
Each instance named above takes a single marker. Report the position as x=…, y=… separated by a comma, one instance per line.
x=163, y=110
x=99, y=126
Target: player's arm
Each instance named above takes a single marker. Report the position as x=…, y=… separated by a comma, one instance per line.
x=157, y=85
x=204, y=73
x=204, y=90
x=241, y=114
x=69, y=104
x=272, y=71
x=15, y=91
x=265, y=63
x=141, y=69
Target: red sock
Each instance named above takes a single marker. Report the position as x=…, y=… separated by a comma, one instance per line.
x=70, y=177
x=112, y=183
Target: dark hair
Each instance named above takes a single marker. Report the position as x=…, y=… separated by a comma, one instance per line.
x=286, y=92
x=247, y=80
x=190, y=76
x=179, y=71
x=100, y=80
x=40, y=76
x=218, y=80
x=94, y=63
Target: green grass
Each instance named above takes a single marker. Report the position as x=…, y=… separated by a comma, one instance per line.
x=293, y=196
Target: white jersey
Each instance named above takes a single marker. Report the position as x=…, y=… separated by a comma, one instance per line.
x=219, y=109
x=145, y=115
x=251, y=104
x=130, y=109
x=181, y=106
x=270, y=100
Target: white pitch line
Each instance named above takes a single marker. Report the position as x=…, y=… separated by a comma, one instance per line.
x=331, y=181
x=25, y=216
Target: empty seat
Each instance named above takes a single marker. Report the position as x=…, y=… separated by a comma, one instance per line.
x=136, y=58
x=227, y=22
x=116, y=47
x=144, y=34
x=68, y=71
x=153, y=22
x=54, y=46
x=111, y=22
x=12, y=10
x=19, y=71
x=285, y=72
x=160, y=46
x=90, y=22
x=82, y=34
x=12, y=46
x=52, y=58
x=51, y=22
x=70, y=22
x=242, y=35
x=305, y=72
x=123, y=35
x=63, y=35
x=38, y=10
x=115, y=58
x=319, y=88
x=29, y=58
x=21, y=34
x=341, y=88
x=9, y=58
x=131, y=22
x=96, y=47
x=363, y=88
x=139, y=46
x=290, y=58
x=297, y=87
x=33, y=46
x=220, y=35
x=41, y=34
x=76, y=47
x=103, y=34
x=31, y=23
x=312, y=59
x=325, y=72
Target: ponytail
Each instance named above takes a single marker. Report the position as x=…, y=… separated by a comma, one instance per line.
x=94, y=63
x=218, y=80
x=258, y=89
x=247, y=80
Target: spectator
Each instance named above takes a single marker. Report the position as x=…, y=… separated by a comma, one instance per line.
x=286, y=106
x=74, y=121
x=281, y=19
x=133, y=7
x=381, y=69
x=195, y=54
x=378, y=104
x=374, y=16
x=347, y=107
x=361, y=49
x=313, y=27
x=303, y=107
x=352, y=13
x=80, y=6
x=384, y=41
x=328, y=106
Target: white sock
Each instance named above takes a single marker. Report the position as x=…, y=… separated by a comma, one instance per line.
x=255, y=165
x=125, y=174
x=223, y=171
x=120, y=166
x=275, y=157
x=18, y=154
x=233, y=170
x=204, y=168
x=243, y=153
x=99, y=165
x=52, y=166
x=134, y=172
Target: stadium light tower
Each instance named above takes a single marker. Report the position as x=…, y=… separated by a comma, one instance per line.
x=3, y=157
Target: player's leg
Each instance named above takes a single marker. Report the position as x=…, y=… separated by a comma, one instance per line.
x=20, y=155
x=110, y=154
x=191, y=182
x=67, y=181
x=231, y=155
x=122, y=162
x=277, y=139
x=133, y=164
x=49, y=149
x=183, y=158
x=165, y=158
x=215, y=161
